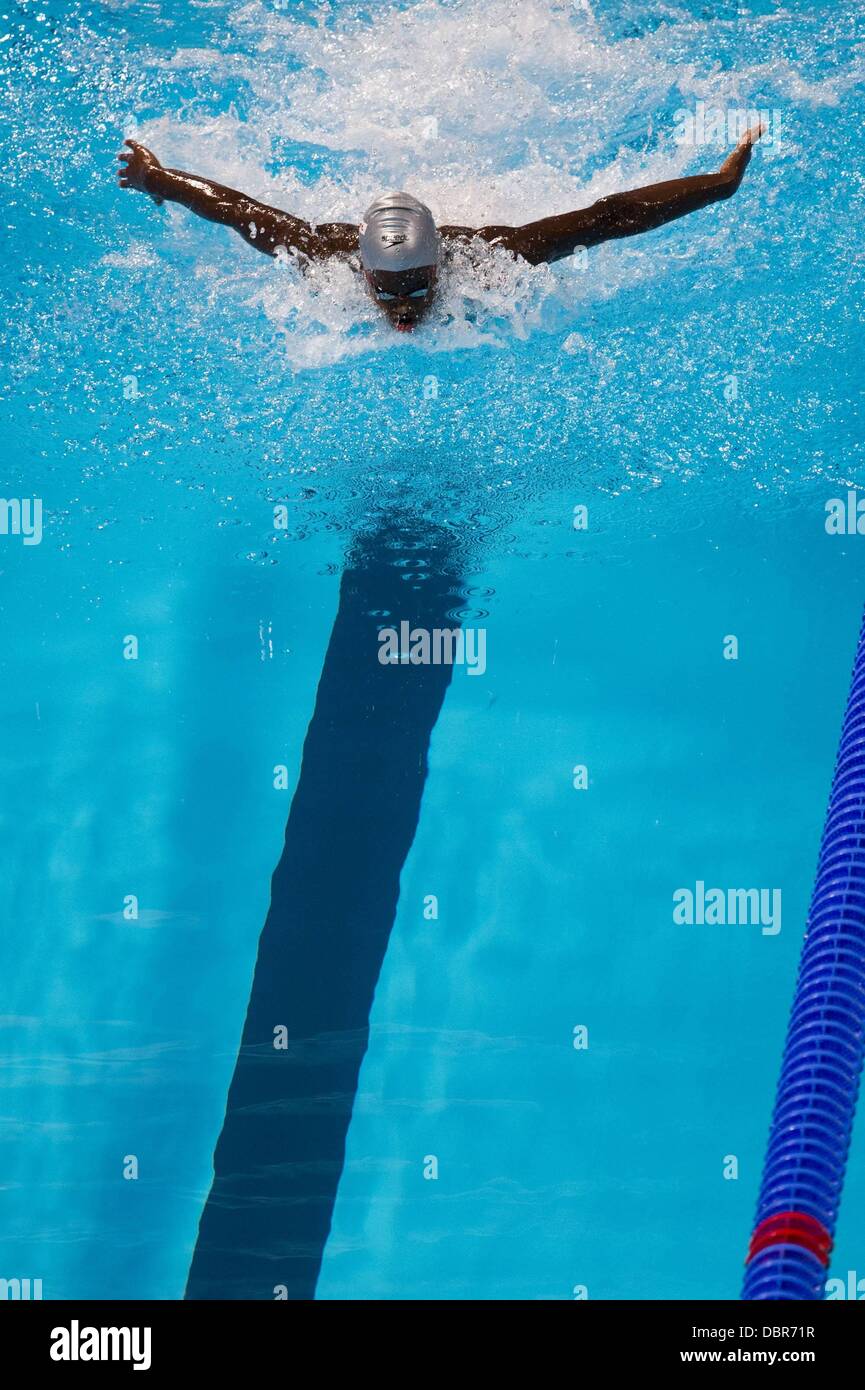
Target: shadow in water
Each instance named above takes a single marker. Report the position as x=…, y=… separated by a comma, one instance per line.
x=354, y=814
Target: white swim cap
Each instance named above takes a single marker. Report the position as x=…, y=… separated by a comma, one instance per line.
x=398, y=233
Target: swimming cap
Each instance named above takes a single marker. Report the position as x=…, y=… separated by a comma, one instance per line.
x=398, y=233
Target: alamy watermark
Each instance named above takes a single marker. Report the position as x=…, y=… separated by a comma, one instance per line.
x=702, y=906
x=725, y=125
x=21, y=516
x=845, y=518
x=852, y=1288
x=438, y=646
x=77, y=1343
x=24, y=1289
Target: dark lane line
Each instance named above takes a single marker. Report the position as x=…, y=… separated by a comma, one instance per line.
x=352, y=821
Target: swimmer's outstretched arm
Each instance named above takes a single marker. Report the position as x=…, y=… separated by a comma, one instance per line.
x=620, y=215
x=267, y=229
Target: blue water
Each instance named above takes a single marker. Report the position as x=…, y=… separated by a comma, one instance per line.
x=162, y=388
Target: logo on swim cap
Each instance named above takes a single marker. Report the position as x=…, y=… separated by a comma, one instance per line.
x=398, y=233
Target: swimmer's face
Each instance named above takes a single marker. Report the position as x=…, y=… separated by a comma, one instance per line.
x=404, y=295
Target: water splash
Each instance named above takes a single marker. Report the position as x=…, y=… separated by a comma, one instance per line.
x=525, y=379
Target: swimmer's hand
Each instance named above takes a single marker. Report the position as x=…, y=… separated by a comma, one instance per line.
x=735, y=164
x=138, y=168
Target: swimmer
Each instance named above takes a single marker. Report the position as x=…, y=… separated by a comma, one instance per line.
x=398, y=246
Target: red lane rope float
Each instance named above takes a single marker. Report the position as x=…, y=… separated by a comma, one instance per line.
x=792, y=1228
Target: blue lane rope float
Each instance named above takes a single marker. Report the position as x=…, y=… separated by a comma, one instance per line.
x=809, y=1138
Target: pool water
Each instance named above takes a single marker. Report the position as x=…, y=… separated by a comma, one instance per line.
x=697, y=390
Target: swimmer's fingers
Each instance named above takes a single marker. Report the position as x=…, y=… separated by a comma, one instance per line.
x=136, y=163
x=123, y=168
x=737, y=162
x=137, y=154
x=752, y=136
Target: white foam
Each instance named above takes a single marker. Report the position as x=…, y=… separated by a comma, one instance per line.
x=136, y=256
x=488, y=110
